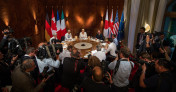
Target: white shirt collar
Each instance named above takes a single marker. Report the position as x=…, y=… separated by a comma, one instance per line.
x=26, y=55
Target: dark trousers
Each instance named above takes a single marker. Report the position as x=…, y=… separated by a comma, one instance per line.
x=119, y=89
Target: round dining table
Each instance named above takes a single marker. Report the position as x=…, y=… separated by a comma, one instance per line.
x=84, y=46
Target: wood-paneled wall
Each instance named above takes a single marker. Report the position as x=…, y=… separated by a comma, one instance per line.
x=23, y=15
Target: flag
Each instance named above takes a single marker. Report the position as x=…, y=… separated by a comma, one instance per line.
x=111, y=31
x=116, y=23
x=53, y=23
x=105, y=31
x=121, y=28
x=58, y=26
x=63, y=27
x=48, y=32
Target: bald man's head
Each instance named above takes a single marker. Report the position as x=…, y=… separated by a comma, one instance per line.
x=97, y=74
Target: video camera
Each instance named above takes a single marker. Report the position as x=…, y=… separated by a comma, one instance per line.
x=17, y=47
x=49, y=51
x=14, y=47
x=137, y=60
x=25, y=42
x=47, y=73
x=10, y=30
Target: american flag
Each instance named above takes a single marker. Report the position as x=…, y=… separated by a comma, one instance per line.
x=116, y=24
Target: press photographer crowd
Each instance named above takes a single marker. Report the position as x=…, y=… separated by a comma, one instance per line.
x=50, y=68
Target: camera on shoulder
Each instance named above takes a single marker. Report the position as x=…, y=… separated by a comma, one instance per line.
x=49, y=51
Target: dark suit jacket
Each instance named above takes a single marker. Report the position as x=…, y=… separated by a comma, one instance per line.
x=100, y=37
x=4, y=45
x=5, y=75
x=138, y=39
x=23, y=82
x=71, y=71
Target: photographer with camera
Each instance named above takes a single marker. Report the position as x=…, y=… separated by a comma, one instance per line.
x=50, y=62
x=121, y=67
x=4, y=41
x=46, y=68
x=144, y=58
x=147, y=44
x=161, y=82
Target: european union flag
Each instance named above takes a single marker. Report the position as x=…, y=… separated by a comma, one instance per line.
x=121, y=28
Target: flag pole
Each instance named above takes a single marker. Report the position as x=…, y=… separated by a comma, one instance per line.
x=45, y=25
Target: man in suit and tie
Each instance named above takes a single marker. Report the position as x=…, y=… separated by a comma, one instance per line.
x=140, y=37
x=30, y=54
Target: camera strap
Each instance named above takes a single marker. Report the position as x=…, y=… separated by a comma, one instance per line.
x=47, y=50
x=76, y=64
x=54, y=50
x=118, y=64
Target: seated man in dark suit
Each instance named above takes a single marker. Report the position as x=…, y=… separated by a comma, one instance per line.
x=71, y=70
x=99, y=35
x=22, y=80
x=96, y=84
